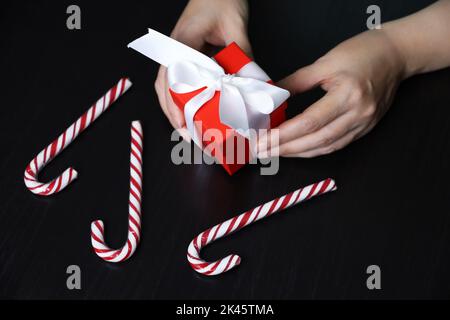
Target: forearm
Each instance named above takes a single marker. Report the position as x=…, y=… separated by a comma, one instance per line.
x=422, y=39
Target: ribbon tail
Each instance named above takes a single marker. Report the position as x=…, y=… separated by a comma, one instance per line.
x=232, y=109
x=191, y=108
x=166, y=50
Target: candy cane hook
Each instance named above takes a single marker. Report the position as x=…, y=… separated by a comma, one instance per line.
x=134, y=208
x=243, y=220
x=59, y=144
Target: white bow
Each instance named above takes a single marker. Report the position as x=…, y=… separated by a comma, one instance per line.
x=245, y=102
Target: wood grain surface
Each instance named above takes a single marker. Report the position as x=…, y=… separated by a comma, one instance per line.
x=391, y=209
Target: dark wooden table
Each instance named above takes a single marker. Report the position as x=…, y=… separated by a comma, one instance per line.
x=392, y=208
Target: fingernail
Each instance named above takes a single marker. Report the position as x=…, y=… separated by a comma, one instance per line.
x=270, y=153
x=180, y=123
x=263, y=155
x=184, y=133
x=262, y=144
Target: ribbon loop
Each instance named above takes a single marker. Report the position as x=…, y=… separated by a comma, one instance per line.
x=245, y=103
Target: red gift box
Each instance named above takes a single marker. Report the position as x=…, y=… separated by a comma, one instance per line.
x=231, y=59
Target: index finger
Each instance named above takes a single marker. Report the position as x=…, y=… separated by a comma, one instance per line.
x=316, y=116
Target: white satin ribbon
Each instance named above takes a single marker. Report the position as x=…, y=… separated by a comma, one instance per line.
x=245, y=102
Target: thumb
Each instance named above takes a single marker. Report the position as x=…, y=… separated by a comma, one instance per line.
x=190, y=39
x=241, y=38
x=303, y=79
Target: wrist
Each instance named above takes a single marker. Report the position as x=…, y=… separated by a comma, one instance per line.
x=394, y=56
x=399, y=39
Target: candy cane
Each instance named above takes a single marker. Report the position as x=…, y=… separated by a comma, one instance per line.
x=134, y=208
x=54, y=148
x=243, y=220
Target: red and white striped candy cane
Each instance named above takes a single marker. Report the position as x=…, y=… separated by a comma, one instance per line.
x=243, y=220
x=59, y=144
x=134, y=208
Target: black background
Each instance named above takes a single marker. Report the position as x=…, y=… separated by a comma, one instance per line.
x=391, y=209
